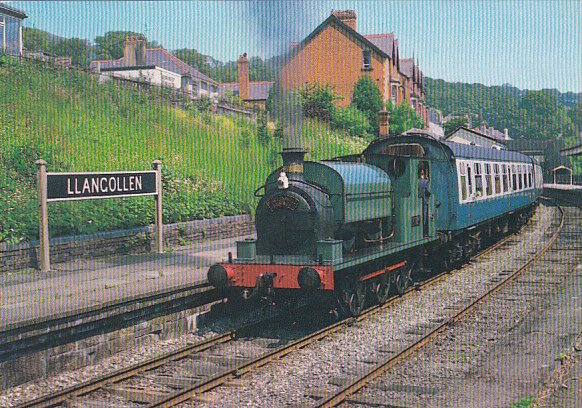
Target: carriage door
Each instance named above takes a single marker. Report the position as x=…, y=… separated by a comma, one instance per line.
x=424, y=196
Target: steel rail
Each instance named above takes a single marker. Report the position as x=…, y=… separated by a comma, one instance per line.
x=343, y=394
x=60, y=397
x=222, y=378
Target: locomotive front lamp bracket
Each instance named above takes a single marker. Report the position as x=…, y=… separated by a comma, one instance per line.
x=283, y=181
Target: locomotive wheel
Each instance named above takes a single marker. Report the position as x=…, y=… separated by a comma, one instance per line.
x=353, y=297
x=381, y=289
x=402, y=281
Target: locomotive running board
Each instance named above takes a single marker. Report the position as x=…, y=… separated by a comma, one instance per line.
x=383, y=271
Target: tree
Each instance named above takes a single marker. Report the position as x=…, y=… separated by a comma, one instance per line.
x=403, y=118
x=575, y=114
x=451, y=125
x=38, y=40
x=367, y=98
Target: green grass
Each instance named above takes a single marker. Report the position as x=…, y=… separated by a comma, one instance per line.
x=78, y=124
x=527, y=402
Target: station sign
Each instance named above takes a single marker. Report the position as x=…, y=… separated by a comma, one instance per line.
x=82, y=186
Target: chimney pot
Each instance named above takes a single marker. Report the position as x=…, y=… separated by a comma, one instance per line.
x=348, y=17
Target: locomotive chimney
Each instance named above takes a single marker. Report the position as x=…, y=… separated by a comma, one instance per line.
x=293, y=159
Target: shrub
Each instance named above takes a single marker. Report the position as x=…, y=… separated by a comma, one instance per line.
x=367, y=98
x=352, y=121
x=318, y=101
x=403, y=118
x=263, y=134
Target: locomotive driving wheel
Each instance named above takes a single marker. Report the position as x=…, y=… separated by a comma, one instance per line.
x=381, y=289
x=353, y=296
x=403, y=280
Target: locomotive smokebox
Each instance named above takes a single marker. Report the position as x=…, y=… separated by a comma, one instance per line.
x=293, y=159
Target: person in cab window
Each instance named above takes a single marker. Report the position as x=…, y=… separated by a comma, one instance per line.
x=424, y=195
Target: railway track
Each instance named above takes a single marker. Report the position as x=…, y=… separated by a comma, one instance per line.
x=184, y=388
x=346, y=393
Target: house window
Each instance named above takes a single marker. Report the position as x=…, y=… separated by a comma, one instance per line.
x=367, y=59
x=393, y=95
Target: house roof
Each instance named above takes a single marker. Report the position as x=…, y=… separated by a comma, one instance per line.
x=475, y=133
x=12, y=11
x=494, y=133
x=259, y=91
x=385, y=42
x=333, y=20
x=160, y=58
x=407, y=66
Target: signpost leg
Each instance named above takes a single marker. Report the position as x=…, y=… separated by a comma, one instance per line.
x=159, y=224
x=43, y=233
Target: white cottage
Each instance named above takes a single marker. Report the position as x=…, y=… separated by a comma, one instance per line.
x=11, y=29
x=157, y=66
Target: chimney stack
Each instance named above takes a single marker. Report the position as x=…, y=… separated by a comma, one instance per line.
x=348, y=17
x=244, y=83
x=384, y=122
x=134, y=53
x=506, y=132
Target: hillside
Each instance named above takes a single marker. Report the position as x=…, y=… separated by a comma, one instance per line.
x=526, y=114
x=211, y=164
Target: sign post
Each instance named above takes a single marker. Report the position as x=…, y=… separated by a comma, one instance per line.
x=85, y=186
x=159, y=224
x=43, y=233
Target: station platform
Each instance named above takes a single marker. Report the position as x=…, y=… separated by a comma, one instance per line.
x=30, y=296
x=569, y=192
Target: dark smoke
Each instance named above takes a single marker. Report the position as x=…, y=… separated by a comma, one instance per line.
x=277, y=25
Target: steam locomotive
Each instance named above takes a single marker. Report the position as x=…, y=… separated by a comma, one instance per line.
x=360, y=226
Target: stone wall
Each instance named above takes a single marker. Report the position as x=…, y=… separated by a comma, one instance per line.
x=92, y=350
x=25, y=255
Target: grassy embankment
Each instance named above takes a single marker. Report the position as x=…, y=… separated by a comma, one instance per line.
x=212, y=164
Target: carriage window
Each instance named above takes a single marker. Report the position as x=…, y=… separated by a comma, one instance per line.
x=469, y=180
x=488, y=182
x=520, y=176
x=505, y=179
x=529, y=175
x=463, y=181
x=513, y=177
x=497, y=179
x=478, y=180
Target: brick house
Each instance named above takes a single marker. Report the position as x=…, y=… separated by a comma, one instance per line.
x=11, y=30
x=250, y=92
x=337, y=54
x=158, y=67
